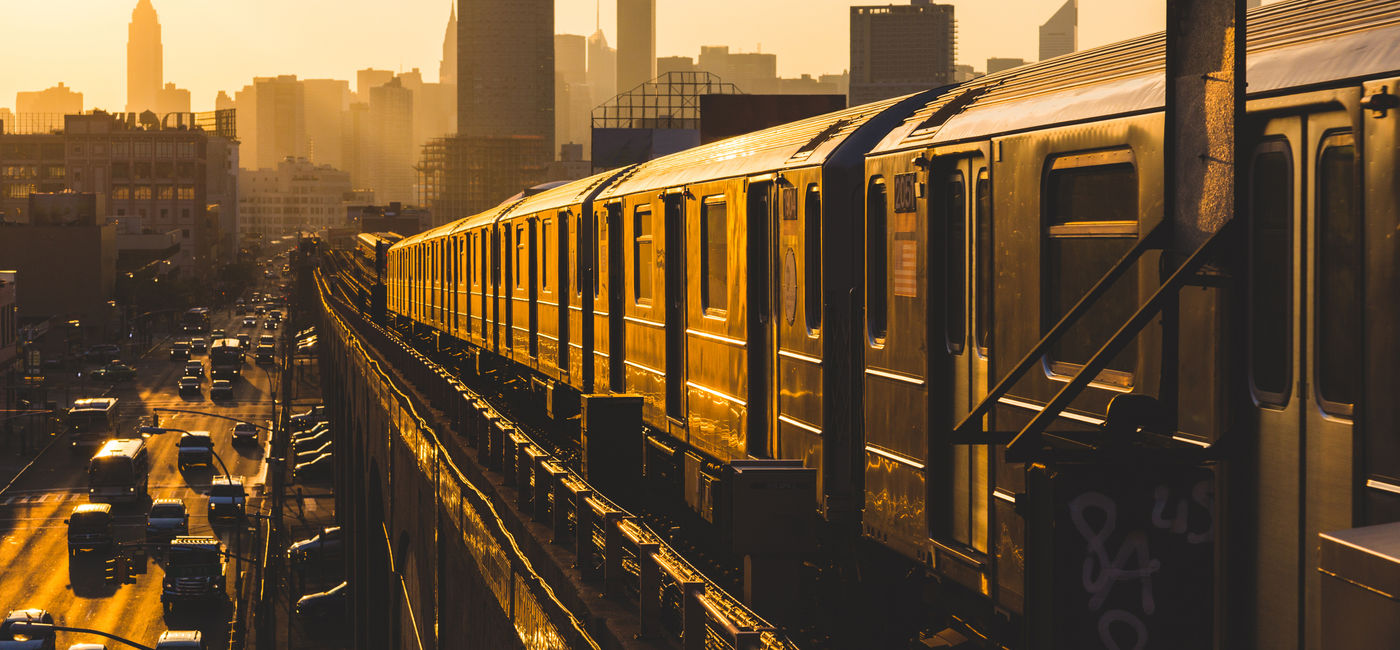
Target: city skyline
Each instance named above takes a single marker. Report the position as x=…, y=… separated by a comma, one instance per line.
x=93, y=34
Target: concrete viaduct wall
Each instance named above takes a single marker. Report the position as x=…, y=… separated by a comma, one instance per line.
x=435, y=565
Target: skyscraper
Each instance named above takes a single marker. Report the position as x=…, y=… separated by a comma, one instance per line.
x=281, y=119
x=505, y=68
x=59, y=99
x=144, y=58
x=1060, y=34
x=447, y=70
x=602, y=68
x=391, y=151
x=896, y=50
x=636, y=43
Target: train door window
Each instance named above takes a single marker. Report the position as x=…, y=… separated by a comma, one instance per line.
x=812, y=256
x=1338, y=284
x=982, y=249
x=1091, y=216
x=642, y=254
x=520, y=256
x=1270, y=290
x=714, y=255
x=544, y=253
x=876, y=261
x=955, y=261
x=580, y=269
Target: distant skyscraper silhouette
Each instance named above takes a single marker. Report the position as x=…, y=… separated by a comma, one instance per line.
x=505, y=68
x=1060, y=34
x=447, y=71
x=144, y=58
x=636, y=43
x=897, y=49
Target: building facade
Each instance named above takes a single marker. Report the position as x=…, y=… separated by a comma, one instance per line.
x=901, y=49
x=1060, y=34
x=997, y=64
x=58, y=100
x=296, y=195
x=505, y=69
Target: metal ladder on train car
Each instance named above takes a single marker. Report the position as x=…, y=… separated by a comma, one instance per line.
x=1125, y=412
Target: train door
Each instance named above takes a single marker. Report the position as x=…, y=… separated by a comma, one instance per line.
x=1303, y=349
x=960, y=192
x=616, y=289
x=758, y=221
x=673, y=256
x=796, y=363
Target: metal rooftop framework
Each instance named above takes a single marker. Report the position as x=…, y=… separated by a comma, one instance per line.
x=670, y=101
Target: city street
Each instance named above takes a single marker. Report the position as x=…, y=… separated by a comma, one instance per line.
x=80, y=593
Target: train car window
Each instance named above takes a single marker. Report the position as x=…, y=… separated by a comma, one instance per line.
x=1091, y=202
x=982, y=216
x=955, y=262
x=544, y=253
x=1338, y=292
x=714, y=254
x=1270, y=290
x=812, y=249
x=876, y=264
x=642, y=261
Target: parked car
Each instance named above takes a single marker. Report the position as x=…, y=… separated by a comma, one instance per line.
x=326, y=544
x=311, y=441
x=315, y=430
x=190, y=385
x=114, y=372
x=221, y=389
x=166, y=519
x=326, y=605
x=102, y=353
x=316, y=469
x=245, y=432
x=14, y=639
x=307, y=419
x=310, y=453
x=195, y=448
x=180, y=640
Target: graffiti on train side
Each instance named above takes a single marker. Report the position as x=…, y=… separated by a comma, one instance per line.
x=1135, y=564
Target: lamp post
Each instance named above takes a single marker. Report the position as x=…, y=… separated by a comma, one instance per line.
x=32, y=627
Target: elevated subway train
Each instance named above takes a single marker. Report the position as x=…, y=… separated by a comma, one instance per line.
x=905, y=296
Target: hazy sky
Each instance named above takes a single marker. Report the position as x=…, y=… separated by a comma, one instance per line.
x=213, y=45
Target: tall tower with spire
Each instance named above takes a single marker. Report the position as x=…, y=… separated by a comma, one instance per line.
x=447, y=71
x=144, y=58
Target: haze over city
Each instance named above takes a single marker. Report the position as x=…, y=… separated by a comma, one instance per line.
x=213, y=46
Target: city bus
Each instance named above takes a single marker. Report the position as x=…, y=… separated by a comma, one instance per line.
x=91, y=422
x=225, y=359
x=195, y=321
x=119, y=471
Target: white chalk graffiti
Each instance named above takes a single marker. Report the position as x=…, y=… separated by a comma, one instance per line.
x=1132, y=560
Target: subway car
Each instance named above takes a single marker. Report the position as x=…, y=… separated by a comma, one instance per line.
x=967, y=310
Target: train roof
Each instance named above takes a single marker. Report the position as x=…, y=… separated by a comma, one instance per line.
x=1292, y=44
x=563, y=195
x=797, y=144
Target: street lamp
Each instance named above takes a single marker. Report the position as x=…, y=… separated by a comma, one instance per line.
x=33, y=628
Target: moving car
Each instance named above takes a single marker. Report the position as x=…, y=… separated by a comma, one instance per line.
x=13, y=639
x=114, y=372
x=166, y=520
x=221, y=389
x=199, y=345
x=180, y=640
x=190, y=385
x=89, y=528
x=328, y=604
x=194, y=369
x=195, y=448
x=226, y=498
x=179, y=350
x=245, y=432
x=267, y=339
x=249, y=321
x=218, y=334
x=245, y=341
